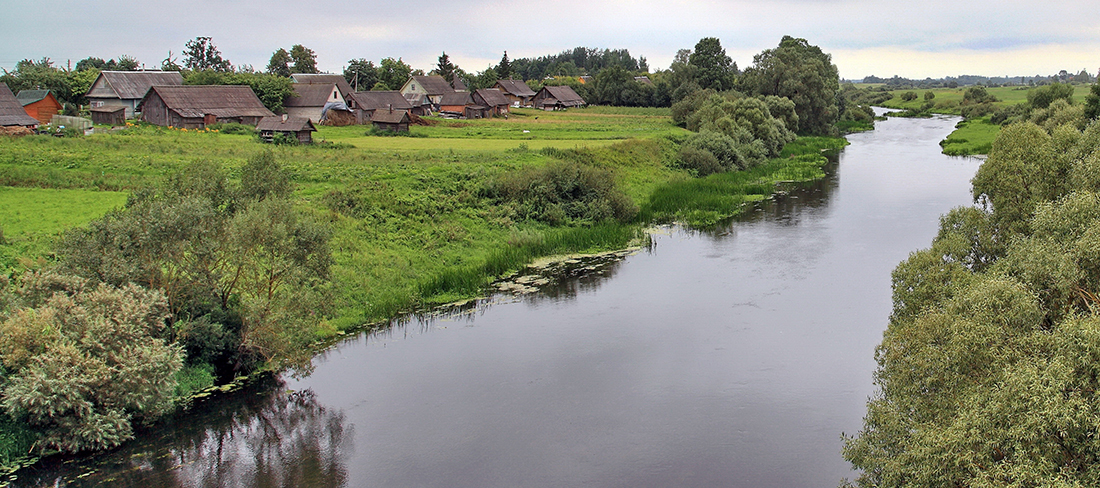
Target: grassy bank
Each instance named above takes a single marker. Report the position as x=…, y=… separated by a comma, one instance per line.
x=414, y=220
x=971, y=137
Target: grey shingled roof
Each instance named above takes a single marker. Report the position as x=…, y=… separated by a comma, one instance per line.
x=309, y=95
x=222, y=101
x=456, y=98
x=27, y=97
x=564, y=95
x=135, y=84
x=313, y=79
x=433, y=85
x=388, y=117
x=292, y=124
x=11, y=111
x=369, y=100
x=493, y=97
x=515, y=88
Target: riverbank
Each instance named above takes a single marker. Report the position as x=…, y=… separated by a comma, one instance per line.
x=413, y=226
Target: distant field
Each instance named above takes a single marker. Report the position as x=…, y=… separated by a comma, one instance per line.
x=948, y=99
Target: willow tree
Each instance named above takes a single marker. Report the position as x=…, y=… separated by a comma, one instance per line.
x=804, y=74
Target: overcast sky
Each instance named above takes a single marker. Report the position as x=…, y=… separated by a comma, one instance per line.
x=913, y=39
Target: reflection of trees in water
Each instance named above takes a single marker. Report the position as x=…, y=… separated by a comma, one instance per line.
x=262, y=436
x=800, y=198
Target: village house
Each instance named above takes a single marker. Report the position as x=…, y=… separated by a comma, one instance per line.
x=196, y=106
x=557, y=98
x=455, y=104
x=518, y=93
x=127, y=88
x=40, y=104
x=11, y=111
x=324, y=79
x=366, y=104
x=433, y=86
x=309, y=100
x=391, y=120
x=298, y=128
x=493, y=99
x=420, y=103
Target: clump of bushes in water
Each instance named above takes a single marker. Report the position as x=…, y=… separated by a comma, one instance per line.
x=561, y=193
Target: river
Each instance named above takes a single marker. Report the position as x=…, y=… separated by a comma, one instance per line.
x=727, y=358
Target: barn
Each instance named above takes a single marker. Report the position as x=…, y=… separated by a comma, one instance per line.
x=11, y=111
x=309, y=100
x=127, y=88
x=366, y=104
x=196, y=106
x=299, y=128
x=40, y=104
x=517, y=92
x=391, y=120
x=557, y=98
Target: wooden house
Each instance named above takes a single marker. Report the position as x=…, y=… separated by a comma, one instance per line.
x=40, y=104
x=420, y=103
x=110, y=115
x=391, y=120
x=128, y=88
x=433, y=86
x=196, y=106
x=324, y=79
x=493, y=99
x=557, y=98
x=309, y=100
x=365, y=104
x=299, y=128
x=454, y=104
x=518, y=93
x=11, y=111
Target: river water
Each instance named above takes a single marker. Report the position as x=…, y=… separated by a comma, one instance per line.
x=729, y=358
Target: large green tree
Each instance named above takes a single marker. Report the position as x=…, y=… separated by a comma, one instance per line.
x=201, y=54
x=393, y=73
x=361, y=74
x=713, y=68
x=304, y=59
x=279, y=63
x=803, y=73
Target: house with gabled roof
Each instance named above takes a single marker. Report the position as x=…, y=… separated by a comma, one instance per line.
x=196, y=106
x=420, y=103
x=433, y=86
x=557, y=98
x=457, y=83
x=300, y=129
x=454, y=104
x=365, y=104
x=391, y=120
x=309, y=100
x=325, y=78
x=11, y=111
x=517, y=92
x=128, y=88
x=40, y=104
x=493, y=99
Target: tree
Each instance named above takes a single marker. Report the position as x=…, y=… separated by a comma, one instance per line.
x=200, y=54
x=444, y=67
x=361, y=74
x=393, y=73
x=714, y=69
x=1043, y=96
x=305, y=60
x=802, y=73
x=279, y=63
x=1092, y=102
x=170, y=64
x=504, y=69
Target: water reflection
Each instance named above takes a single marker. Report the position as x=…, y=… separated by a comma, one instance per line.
x=263, y=436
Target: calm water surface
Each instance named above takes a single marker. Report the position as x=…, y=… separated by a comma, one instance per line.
x=729, y=358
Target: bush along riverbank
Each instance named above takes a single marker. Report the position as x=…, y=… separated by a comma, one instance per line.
x=229, y=259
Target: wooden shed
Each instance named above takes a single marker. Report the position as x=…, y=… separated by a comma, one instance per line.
x=109, y=115
x=492, y=98
x=40, y=104
x=517, y=92
x=557, y=98
x=11, y=111
x=128, y=88
x=391, y=120
x=300, y=128
x=454, y=104
x=196, y=106
x=366, y=104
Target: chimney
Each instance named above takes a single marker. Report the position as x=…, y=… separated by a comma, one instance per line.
x=391, y=107
x=284, y=118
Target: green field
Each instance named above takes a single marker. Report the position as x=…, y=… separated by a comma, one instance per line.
x=971, y=137
x=419, y=230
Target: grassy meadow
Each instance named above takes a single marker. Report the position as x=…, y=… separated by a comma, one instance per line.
x=412, y=226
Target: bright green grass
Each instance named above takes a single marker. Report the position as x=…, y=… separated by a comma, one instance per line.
x=971, y=137
x=948, y=100
x=49, y=211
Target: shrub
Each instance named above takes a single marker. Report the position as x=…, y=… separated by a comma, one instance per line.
x=233, y=128
x=699, y=161
x=562, y=193
x=909, y=96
